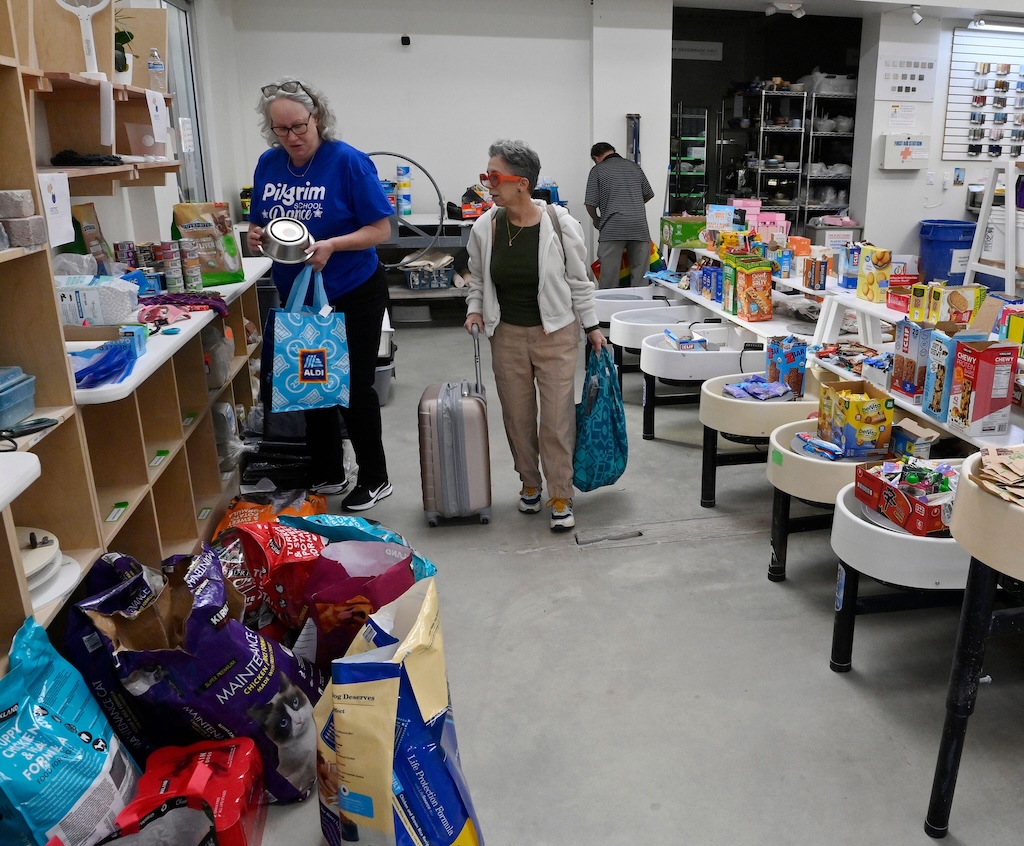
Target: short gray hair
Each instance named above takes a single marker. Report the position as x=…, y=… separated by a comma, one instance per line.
x=312, y=98
x=520, y=158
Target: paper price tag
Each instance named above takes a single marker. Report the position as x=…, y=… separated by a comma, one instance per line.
x=117, y=512
x=159, y=458
x=205, y=513
x=189, y=419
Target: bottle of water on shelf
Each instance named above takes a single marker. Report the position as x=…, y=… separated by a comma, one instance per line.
x=157, y=72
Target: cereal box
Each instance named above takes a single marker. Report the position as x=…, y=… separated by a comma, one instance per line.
x=753, y=289
x=787, y=361
x=938, y=378
x=873, y=273
x=957, y=303
x=982, y=388
x=856, y=416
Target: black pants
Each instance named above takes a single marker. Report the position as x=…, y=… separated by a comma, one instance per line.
x=364, y=314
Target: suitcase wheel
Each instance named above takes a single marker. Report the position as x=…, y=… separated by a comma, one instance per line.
x=485, y=520
x=432, y=522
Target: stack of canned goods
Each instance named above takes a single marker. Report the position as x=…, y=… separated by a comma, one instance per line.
x=125, y=253
x=169, y=255
x=190, y=264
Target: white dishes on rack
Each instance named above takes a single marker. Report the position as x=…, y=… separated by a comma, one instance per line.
x=49, y=573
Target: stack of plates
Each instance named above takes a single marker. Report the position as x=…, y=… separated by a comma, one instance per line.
x=50, y=574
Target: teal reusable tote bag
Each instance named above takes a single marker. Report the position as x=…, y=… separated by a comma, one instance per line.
x=305, y=362
x=602, y=447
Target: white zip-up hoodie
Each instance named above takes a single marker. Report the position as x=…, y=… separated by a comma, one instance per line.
x=565, y=293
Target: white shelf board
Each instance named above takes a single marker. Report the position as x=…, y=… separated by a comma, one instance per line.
x=18, y=470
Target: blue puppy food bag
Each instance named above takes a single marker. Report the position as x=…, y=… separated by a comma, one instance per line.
x=63, y=772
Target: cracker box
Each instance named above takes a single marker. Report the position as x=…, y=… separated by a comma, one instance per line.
x=681, y=232
x=753, y=289
x=913, y=439
x=787, y=361
x=856, y=416
x=979, y=398
x=938, y=379
x=906, y=511
x=957, y=302
x=918, y=308
x=873, y=273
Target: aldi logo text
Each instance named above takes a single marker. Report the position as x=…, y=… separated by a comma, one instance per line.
x=313, y=366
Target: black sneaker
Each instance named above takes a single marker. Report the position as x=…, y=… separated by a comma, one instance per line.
x=329, y=488
x=363, y=497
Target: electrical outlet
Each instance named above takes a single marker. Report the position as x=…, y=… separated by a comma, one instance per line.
x=947, y=180
x=929, y=177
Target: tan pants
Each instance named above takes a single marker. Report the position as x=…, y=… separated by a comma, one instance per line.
x=528, y=362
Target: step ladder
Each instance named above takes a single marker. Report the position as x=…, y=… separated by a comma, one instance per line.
x=1009, y=169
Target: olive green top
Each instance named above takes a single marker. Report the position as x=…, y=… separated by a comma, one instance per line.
x=515, y=271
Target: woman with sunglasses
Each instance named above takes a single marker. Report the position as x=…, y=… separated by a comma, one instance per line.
x=333, y=188
x=529, y=291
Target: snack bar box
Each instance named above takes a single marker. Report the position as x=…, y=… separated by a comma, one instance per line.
x=982, y=388
x=907, y=512
x=856, y=416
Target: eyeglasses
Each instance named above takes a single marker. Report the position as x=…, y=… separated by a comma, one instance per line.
x=291, y=86
x=494, y=179
x=295, y=129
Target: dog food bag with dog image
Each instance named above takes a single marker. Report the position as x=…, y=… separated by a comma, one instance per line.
x=63, y=772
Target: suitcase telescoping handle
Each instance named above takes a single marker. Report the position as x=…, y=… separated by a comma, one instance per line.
x=476, y=360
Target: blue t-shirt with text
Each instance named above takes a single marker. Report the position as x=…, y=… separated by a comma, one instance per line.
x=339, y=193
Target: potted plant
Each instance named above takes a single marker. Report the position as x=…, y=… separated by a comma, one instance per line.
x=123, y=55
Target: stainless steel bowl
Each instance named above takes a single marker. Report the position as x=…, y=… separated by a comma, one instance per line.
x=286, y=240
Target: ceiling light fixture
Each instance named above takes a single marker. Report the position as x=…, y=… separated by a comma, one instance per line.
x=915, y=15
x=795, y=9
x=997, y=24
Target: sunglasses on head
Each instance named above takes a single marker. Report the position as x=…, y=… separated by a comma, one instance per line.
x=494, y=179
x=291, y=86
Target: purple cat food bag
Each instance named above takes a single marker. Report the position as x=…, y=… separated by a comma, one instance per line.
x=185, y=655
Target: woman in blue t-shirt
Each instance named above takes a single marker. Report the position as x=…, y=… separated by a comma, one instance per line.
x=310, y=175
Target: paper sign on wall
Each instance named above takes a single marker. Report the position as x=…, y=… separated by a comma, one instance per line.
x=157, y=115
x=56, y=196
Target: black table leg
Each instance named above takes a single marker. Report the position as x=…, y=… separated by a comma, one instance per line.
x=709, y=468
x=649, y=402
x=780, y=536
x=975, y=622
x=847, y=587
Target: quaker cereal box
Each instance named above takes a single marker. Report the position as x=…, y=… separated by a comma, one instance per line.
x=873, y=273
x=956, y=303
x=856, y=416
x=939, y=377
x=787, y=361
x=980, y=396
x=753, y=289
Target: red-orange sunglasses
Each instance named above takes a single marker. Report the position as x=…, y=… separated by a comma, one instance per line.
x=494, y=179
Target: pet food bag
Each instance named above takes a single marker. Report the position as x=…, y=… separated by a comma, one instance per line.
x=398, y=772
x=63, y=772
x=263, y=507
x=209, y=226
x=185, y=656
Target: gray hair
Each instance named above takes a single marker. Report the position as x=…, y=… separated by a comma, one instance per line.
x=520, y=158
x=312, y=98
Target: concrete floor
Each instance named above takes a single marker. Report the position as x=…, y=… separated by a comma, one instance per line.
x=660, y=690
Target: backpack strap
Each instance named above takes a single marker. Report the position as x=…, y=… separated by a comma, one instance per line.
x=550, y=208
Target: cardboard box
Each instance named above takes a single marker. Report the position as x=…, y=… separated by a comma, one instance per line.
x=786, y=359
x=957, y=303
x=904, y=510
x=904, y=271
x=898, y=298
x=856, y=416
x=910, y=364
x=918, y=309
x=983, y=376
x=880, y=377
x=913, y=439
x=938, y=379
x=680, y=232
x=849, y=265
x=753, y=289
x=873, y=273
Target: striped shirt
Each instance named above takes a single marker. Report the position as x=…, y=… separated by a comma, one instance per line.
x=619, y=189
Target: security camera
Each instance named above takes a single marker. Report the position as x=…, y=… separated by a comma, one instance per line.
x=915, y=15
x=406, y=41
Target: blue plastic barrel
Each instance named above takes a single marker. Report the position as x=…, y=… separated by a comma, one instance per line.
x=945, y=248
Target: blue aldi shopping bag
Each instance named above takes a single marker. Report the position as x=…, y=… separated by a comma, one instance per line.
x=305, y=361
x=602, y=447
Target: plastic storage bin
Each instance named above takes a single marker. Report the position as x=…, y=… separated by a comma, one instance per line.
x=17, y=396
x=945, y=248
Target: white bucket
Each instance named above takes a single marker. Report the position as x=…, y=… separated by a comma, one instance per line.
x=994, y=246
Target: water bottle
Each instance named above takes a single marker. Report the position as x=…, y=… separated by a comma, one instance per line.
x=157, y=72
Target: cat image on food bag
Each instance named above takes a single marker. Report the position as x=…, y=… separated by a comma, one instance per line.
x=287, y=719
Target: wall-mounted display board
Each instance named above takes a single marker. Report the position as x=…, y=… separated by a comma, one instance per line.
x=985, y=101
